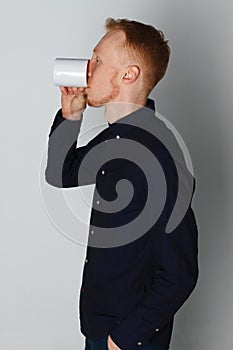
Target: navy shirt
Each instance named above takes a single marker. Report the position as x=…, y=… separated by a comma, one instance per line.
x=134, y=279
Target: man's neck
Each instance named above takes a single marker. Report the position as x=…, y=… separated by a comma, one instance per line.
x=117, y=110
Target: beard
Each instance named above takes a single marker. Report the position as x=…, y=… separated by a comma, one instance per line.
x=108, y=97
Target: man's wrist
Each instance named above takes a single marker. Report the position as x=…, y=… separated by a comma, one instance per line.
x=74, y=116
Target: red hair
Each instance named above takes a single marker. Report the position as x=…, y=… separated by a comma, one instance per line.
x=145, y=44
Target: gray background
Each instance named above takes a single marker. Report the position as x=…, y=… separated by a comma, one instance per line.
x=40, y=268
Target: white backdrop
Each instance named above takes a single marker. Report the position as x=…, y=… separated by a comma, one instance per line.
x=40, y=268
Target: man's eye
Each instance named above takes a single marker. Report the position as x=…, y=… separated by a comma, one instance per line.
x=97, y=59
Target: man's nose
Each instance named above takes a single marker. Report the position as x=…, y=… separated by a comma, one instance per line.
x=89, y=69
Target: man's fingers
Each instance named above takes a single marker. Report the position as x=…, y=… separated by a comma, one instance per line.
x=64, y=90
x=70, y=89
x=78, y=90
x=75, y=90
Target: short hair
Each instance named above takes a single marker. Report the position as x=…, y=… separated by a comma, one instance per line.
x=147, y=44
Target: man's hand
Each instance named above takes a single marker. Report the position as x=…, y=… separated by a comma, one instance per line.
x=112, y=345
x=73, y=102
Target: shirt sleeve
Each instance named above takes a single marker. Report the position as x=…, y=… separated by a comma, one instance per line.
x=64, y=158
x=174, y=277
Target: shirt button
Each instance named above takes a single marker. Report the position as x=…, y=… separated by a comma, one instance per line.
x=117, y=136
x=103, y=172
x=157, y=329
x=97, y=202
x=86, y=260
x=139, y=343
x=92, y=232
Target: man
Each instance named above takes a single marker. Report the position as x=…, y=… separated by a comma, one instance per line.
x=134, y=280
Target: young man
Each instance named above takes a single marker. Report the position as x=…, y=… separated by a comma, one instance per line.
x=134, y=279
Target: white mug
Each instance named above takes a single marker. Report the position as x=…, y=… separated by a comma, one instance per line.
x=70, y=72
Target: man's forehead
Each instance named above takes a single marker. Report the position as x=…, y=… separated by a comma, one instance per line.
x=112, y=38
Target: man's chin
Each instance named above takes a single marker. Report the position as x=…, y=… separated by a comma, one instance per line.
x=93, y=103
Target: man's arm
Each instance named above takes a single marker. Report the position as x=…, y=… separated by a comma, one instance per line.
x=64, y=158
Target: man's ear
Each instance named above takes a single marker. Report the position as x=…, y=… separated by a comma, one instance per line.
x=131, y=74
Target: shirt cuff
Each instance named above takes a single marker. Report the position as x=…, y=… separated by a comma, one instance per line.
x=60, y=119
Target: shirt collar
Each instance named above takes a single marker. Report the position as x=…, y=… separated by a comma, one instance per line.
x=126, y=123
